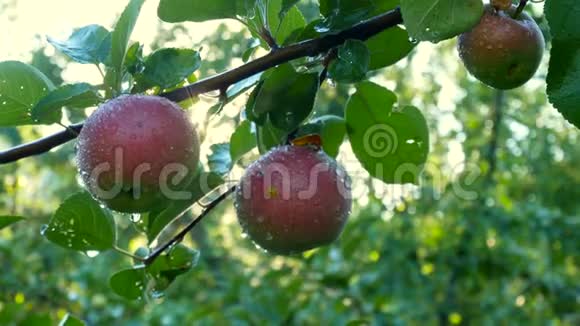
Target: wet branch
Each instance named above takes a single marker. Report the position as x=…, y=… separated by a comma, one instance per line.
x=179, y=236
x=313, y=47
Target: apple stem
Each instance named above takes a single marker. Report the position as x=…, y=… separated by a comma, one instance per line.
x=520, y=8
x=179, y=236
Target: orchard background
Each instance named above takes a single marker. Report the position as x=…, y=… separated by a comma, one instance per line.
x=489, y=235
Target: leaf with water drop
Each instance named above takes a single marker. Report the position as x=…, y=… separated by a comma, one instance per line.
x=438, y=20
x=388, y=47
x=167, y=267
x=81, y=224
x=352, y=62
x=286, y=96
x=129, y=283
x=78, y=96
x=21, y=87
x=166, y=68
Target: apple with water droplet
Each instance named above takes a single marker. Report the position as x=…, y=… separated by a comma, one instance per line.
x=501, y=51
x=135, y=151
x=292, y=199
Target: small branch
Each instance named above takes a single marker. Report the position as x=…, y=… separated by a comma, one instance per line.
x=520, y=8
x=128, y=254
x=267, y=35
x=179, y=236
x=331, y=55
x=361, y=31
x=72, y=131
x=497, y=118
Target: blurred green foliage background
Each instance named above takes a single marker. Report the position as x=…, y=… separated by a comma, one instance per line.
x=508, y=254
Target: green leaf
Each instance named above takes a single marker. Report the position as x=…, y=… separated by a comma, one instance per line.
x=563, y=79
x=134, y=62
x=388, y=47
x=382, y=6
x=178, y=260
x=287, y=96
x=282, y=27
x=168, y=67
x=438, y=20
x=242, y=141
x=564, y=71
x=81, y=224
x=330, y=7
x=219, y=159
x=332, y=130
x=351, y=64
x=21, y=87
x=9, y=220
x=240, y=87
x=269, y=136
x=120, y=40
x=202, y=184
x=174, y=11
x=391, y=145
x=287, y=5
x=163, y=271
x=341, y=14
x=250, y=112
x=70, y=320
x=563, y=19
x=129, y=283
x=80, y=96
x=252, y=48
x=89, y=44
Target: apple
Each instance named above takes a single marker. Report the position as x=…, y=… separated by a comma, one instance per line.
x=292, y=199
x=135, y=151
x=501, y=51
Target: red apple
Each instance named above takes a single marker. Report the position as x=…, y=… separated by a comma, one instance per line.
x=501, y=51
x=294, y=198
x=135, y=151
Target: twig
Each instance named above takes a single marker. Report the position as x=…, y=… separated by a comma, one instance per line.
x=178, y=237
x=520, y=8
x=128, y=254
x=361, y=31
x=269, y=38
x=497, y=118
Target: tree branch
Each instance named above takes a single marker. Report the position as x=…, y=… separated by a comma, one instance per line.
x=40, y=146
x=179, y=236
x=361, y=31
